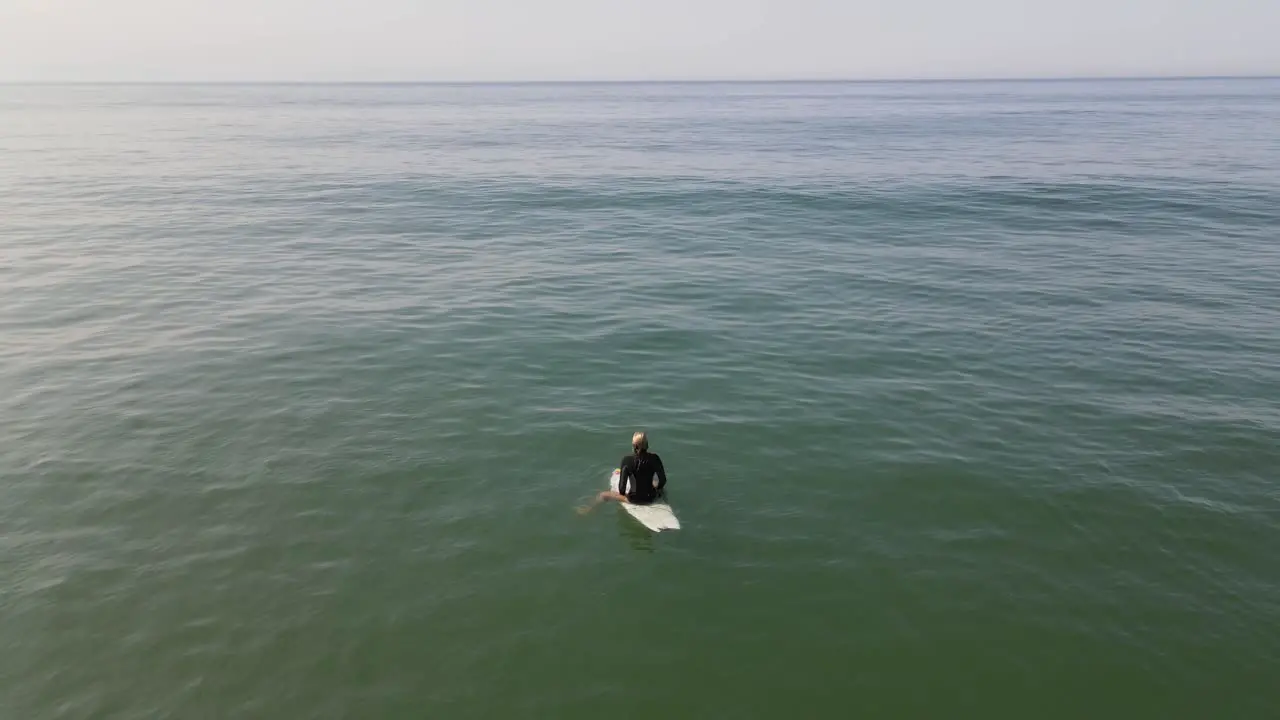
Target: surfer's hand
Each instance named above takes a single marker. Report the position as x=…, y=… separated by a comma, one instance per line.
x=655, y=483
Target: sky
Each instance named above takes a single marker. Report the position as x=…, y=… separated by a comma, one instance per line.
x=522, y=40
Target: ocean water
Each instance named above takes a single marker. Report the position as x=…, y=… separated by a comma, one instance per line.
x=969, y=394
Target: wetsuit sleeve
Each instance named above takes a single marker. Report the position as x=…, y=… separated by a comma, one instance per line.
x=624, y=469
x=662, y=473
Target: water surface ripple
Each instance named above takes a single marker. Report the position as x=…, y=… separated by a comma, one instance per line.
x=969, y=393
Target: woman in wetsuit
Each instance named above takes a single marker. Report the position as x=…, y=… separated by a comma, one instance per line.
x=641, y=477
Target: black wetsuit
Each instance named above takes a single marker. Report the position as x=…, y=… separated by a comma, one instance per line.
x=640, y=469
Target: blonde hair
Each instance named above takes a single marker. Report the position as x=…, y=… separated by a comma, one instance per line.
x=640, y=441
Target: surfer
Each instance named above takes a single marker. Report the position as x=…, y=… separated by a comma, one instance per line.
x=641, y=477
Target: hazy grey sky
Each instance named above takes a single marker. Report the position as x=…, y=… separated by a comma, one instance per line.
x=631, y=39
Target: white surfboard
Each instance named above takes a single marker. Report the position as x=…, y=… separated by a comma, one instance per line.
x=655, y=516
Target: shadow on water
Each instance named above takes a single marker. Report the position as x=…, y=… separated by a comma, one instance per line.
x=638, y=536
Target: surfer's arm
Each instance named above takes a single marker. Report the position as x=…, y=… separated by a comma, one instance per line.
x=662, y=473
x=623, y=471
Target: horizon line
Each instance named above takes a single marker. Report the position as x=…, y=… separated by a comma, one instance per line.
x=660, y=81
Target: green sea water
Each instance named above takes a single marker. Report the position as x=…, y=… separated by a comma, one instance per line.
x=969, y=394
